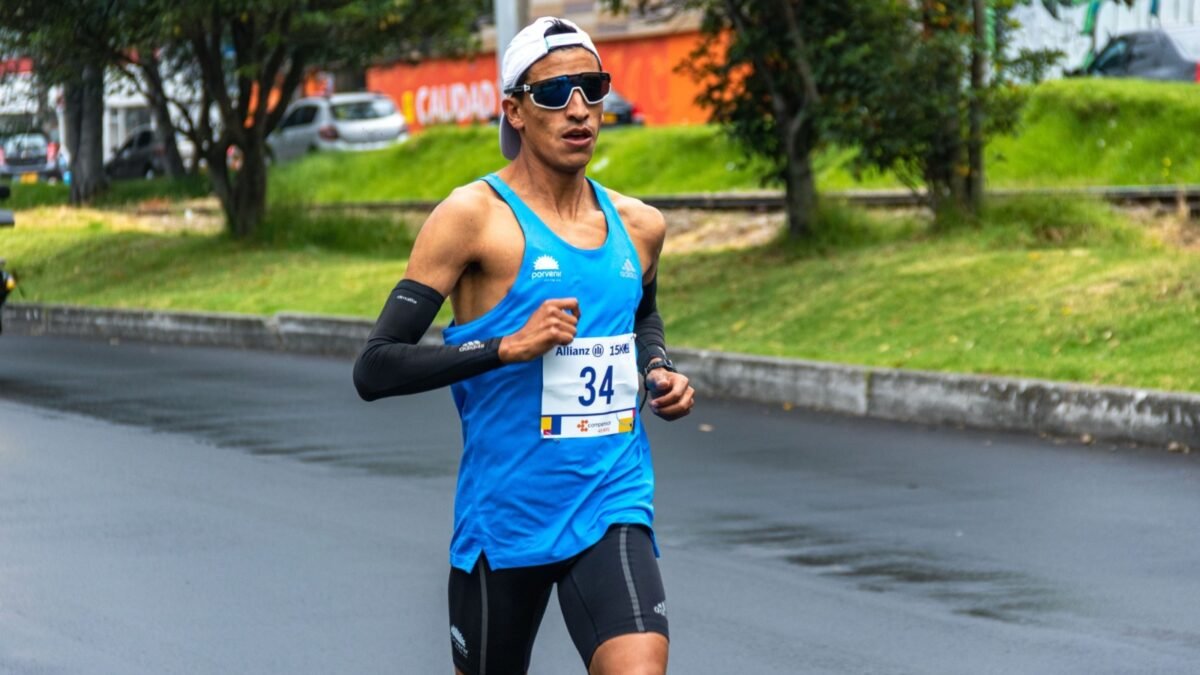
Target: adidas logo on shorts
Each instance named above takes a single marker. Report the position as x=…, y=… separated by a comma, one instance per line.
x=661, y=608
x=460, y=644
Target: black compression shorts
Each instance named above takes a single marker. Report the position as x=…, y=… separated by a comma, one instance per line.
x=613, y=588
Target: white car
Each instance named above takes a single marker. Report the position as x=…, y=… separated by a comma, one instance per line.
x=357, y=121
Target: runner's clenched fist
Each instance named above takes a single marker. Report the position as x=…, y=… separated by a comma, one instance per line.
x=552, y=324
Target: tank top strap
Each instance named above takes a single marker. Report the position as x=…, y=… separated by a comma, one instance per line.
x=615, y=224
x=526, y=218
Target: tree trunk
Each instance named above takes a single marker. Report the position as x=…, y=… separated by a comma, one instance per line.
x=164, y=126
x=975, y=143
x=945, y=175
x=944, y=170
x=801, y=185
x=87, y=160
x=219, y=179
x=242, y=192
x=194, y=167
x=72, y=118
x=250, y=191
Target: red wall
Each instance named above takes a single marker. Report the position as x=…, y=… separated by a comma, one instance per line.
x=444, y=90
x=441, y=90
x=13, y=66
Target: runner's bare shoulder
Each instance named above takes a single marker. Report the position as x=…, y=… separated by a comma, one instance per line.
x=449, y=240
x=464, y=211
x=645, y=223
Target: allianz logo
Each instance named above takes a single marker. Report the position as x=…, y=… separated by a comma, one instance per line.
x=546, y=267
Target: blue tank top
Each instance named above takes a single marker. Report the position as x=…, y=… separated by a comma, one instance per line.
x=553, y=450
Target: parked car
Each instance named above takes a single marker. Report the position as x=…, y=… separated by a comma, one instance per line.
x=29, y=157
x=6, y=216
x=620, y=110
x=1161, y=54
x=349, y=121
x=142, y=155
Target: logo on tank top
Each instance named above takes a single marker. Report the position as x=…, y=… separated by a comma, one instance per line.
x=629, y=271
x=546, y=267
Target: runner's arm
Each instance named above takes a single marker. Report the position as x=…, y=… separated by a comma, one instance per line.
x=648, y=326
x=649, y=231
x=393, y=364
x=673, y=395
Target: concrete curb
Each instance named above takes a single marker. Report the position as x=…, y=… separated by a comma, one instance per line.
x=1144, y=416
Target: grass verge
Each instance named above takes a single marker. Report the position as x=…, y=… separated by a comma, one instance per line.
x=1073, y=133
x=1057, y=290
x=441, y=159
x=120, y=193
x=314, y=266
x=1060, y=298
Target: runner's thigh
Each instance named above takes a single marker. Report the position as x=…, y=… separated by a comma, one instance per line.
x=494, y=617
x=614, y=588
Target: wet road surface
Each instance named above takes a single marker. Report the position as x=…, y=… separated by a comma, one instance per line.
x=212, y=511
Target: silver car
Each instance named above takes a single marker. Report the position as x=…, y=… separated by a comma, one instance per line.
x=28, y=158
x=358, y=121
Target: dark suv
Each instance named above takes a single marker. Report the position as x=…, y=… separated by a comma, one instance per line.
x=29, y=157
x=620, y=110
x=143, y=155
x=1165, y=54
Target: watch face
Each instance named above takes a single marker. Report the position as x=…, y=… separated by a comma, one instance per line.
x=663, y=363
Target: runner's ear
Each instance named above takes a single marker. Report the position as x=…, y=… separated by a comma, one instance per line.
x=511, y=109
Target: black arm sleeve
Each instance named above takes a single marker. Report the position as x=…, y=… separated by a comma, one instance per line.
x=393, y=363
x=648, y=325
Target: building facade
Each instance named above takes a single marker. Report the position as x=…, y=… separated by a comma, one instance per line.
x=641, y=53
x=26, y=105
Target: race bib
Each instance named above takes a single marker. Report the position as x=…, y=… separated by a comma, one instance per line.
x=589, y=388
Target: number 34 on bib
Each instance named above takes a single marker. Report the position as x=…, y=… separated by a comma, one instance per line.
x=589, y=388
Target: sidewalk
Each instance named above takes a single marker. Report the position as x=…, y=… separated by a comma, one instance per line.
x=1167, y=419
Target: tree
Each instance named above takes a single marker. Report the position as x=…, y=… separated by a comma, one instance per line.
x=183, y=103
x=142, y=69
x=960, y=62
x=786, y=77
x=72, y=42
x=248, y=57
x=915, y=86
x=252, y=55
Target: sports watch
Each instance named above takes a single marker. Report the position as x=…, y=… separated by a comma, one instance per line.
x=660, y=362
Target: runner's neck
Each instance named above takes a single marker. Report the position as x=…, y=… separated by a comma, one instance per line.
x=564, y=196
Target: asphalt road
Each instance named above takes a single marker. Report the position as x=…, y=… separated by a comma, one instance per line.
x=170, y=510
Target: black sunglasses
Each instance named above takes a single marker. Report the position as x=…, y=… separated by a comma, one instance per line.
x=555, y=93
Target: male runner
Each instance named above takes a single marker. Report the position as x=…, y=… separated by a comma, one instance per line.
x=552, y=281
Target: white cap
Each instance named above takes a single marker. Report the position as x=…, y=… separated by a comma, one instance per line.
x=526, y=49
